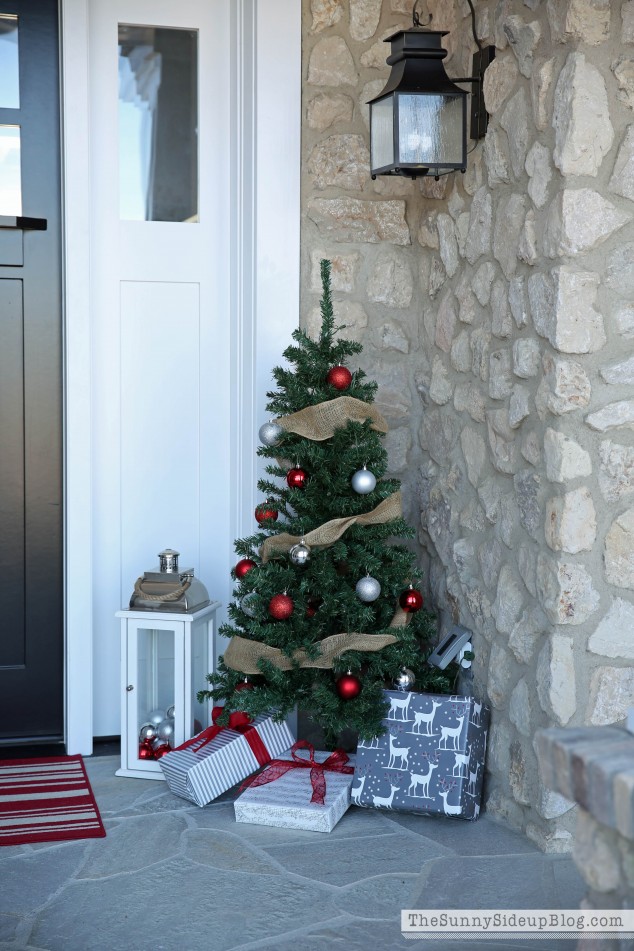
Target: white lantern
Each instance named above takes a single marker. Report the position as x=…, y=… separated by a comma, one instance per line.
x=165, y=658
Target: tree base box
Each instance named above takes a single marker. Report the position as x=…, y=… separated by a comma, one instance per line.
x=286, y=802
x=430, y=759
x=218, y=758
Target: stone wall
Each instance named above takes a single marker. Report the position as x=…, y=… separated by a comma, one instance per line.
x=495, y=311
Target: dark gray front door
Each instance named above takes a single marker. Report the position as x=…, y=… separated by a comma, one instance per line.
x=31, y=563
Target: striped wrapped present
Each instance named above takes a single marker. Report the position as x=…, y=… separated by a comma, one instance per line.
x=216, y=759
x=294, y=792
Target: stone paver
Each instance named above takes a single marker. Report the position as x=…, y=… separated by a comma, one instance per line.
x=170, y=876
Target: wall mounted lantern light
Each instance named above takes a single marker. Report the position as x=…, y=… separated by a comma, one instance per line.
x=418, y=122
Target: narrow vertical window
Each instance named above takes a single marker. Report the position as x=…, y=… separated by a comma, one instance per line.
x=10, y=176
x=158, y=123
x=9, y=62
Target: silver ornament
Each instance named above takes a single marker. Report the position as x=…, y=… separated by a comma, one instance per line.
x=368, y=589
x=405, y=680
x=270, y=433
x=249, y=604
x=363, y=481
x=300, y=554
x=170, y=712
x=165, y=729
x=147, y=732
x=155, y=716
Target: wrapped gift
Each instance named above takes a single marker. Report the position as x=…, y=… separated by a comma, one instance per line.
x=299, y=792
x=219, y=757
x=430, y=758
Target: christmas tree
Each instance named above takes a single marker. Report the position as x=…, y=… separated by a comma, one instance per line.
x=327, y=611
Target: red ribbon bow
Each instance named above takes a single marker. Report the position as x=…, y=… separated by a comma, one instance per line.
x=239, y=723
x=278, y=767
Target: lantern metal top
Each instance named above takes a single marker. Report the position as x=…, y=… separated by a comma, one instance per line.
x=416, y=61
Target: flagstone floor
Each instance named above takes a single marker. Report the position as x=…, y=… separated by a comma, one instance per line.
x=170, y=876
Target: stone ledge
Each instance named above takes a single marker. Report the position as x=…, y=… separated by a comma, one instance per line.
x=594, y=766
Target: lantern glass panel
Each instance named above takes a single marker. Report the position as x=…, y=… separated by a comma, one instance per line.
x=430, y=129
x=201, y=665
x=382, y=132
x=155, y=676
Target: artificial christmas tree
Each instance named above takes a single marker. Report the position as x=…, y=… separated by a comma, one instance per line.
x=326, y=611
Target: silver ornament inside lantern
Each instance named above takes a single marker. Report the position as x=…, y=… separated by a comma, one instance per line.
x=249, y=604
x=155, y=716
x=147, y=732
x=368, y=589
x=300, y=554
x=363, y=481
x=170, y=712
x=405, y=680
x=165, y=730
x=270, y=433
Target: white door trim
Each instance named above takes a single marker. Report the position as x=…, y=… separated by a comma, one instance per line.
x=266, y=103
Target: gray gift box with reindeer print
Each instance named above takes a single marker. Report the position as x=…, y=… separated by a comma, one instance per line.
x=430, y=758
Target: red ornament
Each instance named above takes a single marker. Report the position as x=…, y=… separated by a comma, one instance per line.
x=162, y=750
x=266, y=513
x=296, y=478
x=348, y=686
x=411, y=600
x=146, y=751
x=281, y=607
x=339, y=377
x=244, y=685
x=244, y=566
x=312, y=606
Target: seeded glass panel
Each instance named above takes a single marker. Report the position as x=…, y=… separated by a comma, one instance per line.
x=158, y=123
x=200, y=669
x=9, y=68
x=430, y=129
x=155, y=675
x=10, y=175
x=382, y=132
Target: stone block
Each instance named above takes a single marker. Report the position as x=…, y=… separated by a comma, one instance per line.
x=461, y=352
x=474, y=450
x=398, y=443
x=508, y=520
x=614, y=635
x=531, y=446
x=616, y=471
x=325, y=14
x=581, y=118
x=331, y=64
x=556, y=686
x=567, y=384
x=565, y=591
x=519, y=405
x=323, y=110
x=340, y=161
x=611, y=694
x=519, y=777
x=496, y=155
x=570, y=522
x=520, y=708
x=479, y=235
x=539, y=171
x=523, y=38
x=527, y=486
x=447, y=243
x=579, y=220
x=482, y=280
x=468, y=397
x=527, y=248
x=623, y=318
x=501, y=441
x=551, y=805
x=480, y=342
x=438, y=434
x=562, y=306
x=500, y=378
x=623, y=70
x=343, y=271
x=527, y=633
x=501, y=322
x=619, y=551
x=518, y=302
x=428, y=231
x=619, y=272
x=440, y=388
x=619, y=374
x=612, y=416
x=355, y=220
x=516, y=121
x=390, y=281
x=499, y=82
x=364, y=18
x=542, y=89
x=509, y=600
x=622, y=181
x=490, y=557
x=597, y=861
x=627, y=21
x=445, y=322
x=437, y=277
x=370, y=90
x=351, y=318
x=585, y=20
x=565, y=459
x=391, y=336
x=392, y=398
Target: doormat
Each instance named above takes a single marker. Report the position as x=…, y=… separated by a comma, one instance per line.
x=47, y=800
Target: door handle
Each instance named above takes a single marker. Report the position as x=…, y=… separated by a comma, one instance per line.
x=21, y=223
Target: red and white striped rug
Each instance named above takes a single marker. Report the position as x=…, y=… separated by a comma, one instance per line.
x=46, y=800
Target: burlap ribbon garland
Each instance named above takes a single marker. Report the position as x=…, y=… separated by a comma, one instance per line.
x=330, y=532
x=320, y=422
x=243, y=654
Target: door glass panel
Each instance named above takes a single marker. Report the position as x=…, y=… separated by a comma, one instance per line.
x=158, y=123
x=9, y=71
x=10, y=177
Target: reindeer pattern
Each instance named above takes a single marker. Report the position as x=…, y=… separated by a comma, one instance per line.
x=429, y=760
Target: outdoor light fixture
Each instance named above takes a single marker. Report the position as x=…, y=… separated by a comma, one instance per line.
x=418, y=123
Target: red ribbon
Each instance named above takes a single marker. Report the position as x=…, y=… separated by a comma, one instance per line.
x=239, y=723
x=278, y=767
